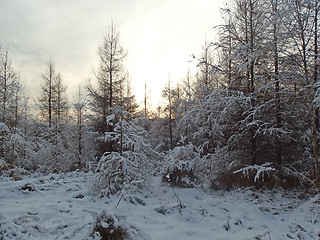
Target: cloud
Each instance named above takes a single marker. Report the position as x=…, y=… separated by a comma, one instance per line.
x=159, y=36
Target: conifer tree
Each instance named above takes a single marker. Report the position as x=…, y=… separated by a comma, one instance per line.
x=52, y=102
x=109, y=93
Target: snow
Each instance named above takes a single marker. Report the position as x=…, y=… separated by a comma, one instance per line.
x=261, y=171
x=59, y=206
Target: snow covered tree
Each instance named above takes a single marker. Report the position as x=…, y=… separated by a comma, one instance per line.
x=184, y=104
x=205, y=80
x=302, y=54
x=127, y=168
x=55, y=134
x=110, y=78
x=10, y=89
x=13, y=109
x=245, y=38
x=129, y=100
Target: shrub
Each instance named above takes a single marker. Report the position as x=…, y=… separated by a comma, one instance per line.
x=117, y=172
x=259, y=176
x=3, y=166
x=180, y=168
x=108, y=226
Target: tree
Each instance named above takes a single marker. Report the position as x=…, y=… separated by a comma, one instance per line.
x=167, y=93
x=60, y=101
x=53, y=103
x=146, y=103
x=46, y=99
x=110, y=82
x=244, y=37
x=129, y=100
x=79, y=107
x=275, y=34
x=186, y=103
x=53, y=106
x=303, y=31
x=13, y=104
x=205, y=78
x=8, y=80
x=315, y=77
x=19, y=104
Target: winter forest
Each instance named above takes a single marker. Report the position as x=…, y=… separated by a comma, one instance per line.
x=247, y=119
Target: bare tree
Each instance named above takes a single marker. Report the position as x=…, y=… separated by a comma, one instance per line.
x=130, y=105
x=52, y=102
x=60, y=101
x=13, y=106
x=45, y=101
x=79, y=107
x=205, y=78
x=8, y=79
x=167, y=94
x=110, y=78
x=275, y=33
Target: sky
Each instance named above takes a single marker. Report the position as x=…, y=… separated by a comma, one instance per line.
x=159, y=35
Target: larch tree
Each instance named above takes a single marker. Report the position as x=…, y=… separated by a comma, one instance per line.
x=275, y=34
x=60, y=101
x=53, y=106
x=46, y=98
x=19, y=103
x=8, y=80
x=187, y=103
x=315, y=77
x=110, y=78
x=205, y=80
x=13, y=106
x=246, y=28
x=168, y=95
x=303, y=31
x=79, y=108
x=52, y=102
x=130, y=106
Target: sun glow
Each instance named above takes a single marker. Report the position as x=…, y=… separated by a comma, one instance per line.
x=160, y=37
x=161, y=42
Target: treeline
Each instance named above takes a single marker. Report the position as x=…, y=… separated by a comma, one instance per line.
x=249, y=116
x=43, y=133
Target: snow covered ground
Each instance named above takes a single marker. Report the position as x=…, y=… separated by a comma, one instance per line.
x=59, y=206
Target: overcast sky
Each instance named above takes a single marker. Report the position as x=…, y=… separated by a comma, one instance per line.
x=159, y=35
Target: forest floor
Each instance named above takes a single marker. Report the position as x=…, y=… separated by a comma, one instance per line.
x=59, y=206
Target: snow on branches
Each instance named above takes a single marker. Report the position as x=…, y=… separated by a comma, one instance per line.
x=260, y=171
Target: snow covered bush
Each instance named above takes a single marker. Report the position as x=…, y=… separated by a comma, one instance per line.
x=3, y=166
x=131, y=162
x=116, y=172
x=180, y=167
x=266, y=175
x=257, y=176
x=49, y=150
x=108, y=226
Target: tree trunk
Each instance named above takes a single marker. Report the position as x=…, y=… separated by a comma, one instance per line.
x=277, y=80
x=252, y=87
x=315, y=118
